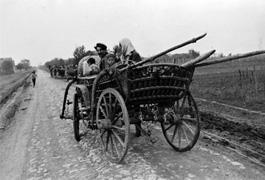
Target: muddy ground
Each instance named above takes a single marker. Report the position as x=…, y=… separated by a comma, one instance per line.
x=244, y=135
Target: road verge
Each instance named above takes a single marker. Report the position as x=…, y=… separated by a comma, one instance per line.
x=11, y=101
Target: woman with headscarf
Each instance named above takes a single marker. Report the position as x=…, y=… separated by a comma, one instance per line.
x=126, y=52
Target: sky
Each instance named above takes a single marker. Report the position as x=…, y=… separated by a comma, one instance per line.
x=40, y=30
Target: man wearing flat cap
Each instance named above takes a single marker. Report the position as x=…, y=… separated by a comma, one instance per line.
x=100, y=46
x=102, y=52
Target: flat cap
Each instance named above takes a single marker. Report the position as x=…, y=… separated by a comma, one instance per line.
x=101, y=46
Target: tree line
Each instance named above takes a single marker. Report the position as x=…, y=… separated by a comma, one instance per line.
x=78, y=54
x=7, y=65
x=81, y=52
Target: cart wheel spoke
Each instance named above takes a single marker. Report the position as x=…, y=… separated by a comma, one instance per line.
x=104, y=131
x=191, y=120
x=174, y=133
x=118, y=138
x=182, y=105
x=114, y=106
x=116, y=147
x=103, y=112
x=117, y=110
x=188, y=127
x=179, y=137
x=106, y=105
x=103, y=138
x=170, y=126
x=112, y=144
x=118, y=117
x=117, y=127
x=185, y=134
x=107, y=141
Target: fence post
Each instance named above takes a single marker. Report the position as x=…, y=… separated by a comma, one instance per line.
x=252, y=76
x=255, y=81
x=240, y=83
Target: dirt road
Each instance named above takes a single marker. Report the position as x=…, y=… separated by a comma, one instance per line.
x=38, y=145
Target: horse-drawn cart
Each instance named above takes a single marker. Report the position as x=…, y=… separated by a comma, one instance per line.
x=118, y=97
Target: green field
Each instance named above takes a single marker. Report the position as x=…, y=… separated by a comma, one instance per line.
x=240, y=83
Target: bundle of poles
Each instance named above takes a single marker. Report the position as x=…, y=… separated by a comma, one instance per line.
x=197, y=62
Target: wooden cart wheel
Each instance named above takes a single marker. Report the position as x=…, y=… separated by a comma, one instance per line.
x=181, y=125
x=113, y=122
x=80, y=125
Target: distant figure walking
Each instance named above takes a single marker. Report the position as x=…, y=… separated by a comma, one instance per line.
x=33, y=77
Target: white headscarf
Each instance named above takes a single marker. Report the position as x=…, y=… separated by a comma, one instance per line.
x=126, y=48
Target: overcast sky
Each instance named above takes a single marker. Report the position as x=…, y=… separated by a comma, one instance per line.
x=40, y=30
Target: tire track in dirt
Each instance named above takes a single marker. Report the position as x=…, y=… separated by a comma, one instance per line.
x=231, y=106
x=247, y=139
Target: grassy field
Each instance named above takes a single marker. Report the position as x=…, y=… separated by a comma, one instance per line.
x=8, y=82
x=240, y=83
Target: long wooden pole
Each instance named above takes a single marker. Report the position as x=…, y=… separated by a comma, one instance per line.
x=230, y=58
x=198, y=59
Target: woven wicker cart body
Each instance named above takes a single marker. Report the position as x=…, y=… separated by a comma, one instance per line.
x=157, y=83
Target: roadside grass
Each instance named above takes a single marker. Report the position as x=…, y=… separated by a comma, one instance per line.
x=8, y=83
x=7, y=79
x=236, y=83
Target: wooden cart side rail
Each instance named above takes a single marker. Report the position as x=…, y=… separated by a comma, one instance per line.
x=157, y=87
x=92, y=77
x=161, y=77
x=151, y=98
x=159, y=64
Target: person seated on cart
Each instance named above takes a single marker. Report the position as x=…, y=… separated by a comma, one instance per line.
x=108, y=59
x=102, y=52
x=90, y=67
x=83, y=64
x=126, y=52
x=111, y=61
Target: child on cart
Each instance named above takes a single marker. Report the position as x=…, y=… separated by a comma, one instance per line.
x=91, y=68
